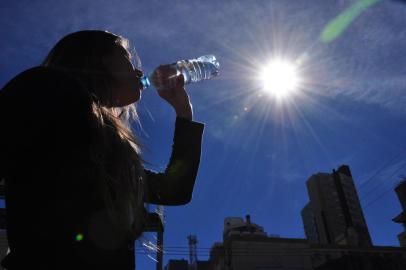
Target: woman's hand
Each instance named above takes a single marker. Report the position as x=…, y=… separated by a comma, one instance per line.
x=174, y=92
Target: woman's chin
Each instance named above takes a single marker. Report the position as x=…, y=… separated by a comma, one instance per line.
x=127, y=99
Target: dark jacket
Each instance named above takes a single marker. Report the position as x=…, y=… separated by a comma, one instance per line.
x=56, y=218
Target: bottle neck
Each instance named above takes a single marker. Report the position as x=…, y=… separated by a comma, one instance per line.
x=145, y=82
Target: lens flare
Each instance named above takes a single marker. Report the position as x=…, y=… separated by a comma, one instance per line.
x=79, y=237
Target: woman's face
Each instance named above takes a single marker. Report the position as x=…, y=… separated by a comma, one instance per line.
x=127, y=86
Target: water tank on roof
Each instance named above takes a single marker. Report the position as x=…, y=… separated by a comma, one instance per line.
x=231, y=222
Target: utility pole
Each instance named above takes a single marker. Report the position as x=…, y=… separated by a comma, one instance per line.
x=156, y=223
x=160, y=238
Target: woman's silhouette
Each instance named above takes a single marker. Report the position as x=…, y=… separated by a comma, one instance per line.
x=75, y=181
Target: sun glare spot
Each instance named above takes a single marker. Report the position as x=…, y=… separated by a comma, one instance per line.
x=79, y=237
x=279, y=78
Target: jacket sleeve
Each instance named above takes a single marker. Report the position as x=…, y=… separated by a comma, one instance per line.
x=175, y=185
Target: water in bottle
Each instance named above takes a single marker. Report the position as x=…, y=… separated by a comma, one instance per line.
x=193, y=70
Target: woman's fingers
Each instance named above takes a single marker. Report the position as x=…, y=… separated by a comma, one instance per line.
x=178, y=98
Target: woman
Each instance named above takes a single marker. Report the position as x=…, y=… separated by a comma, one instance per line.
x=75, y=182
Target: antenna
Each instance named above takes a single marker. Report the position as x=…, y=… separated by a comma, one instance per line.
x=192, y=251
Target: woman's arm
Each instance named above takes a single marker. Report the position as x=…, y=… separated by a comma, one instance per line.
x=175, y=185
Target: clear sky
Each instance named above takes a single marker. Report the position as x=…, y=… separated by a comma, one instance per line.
x=257, y=152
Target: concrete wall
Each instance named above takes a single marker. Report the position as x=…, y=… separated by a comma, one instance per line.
x=268, y=255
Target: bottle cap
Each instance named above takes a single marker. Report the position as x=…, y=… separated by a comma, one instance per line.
x=145, y=81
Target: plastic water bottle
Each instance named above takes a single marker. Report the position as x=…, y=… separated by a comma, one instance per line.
x=193, y=70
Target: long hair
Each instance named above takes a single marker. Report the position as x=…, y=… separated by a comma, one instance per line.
x=115, y=150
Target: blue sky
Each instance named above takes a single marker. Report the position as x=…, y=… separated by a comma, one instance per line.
x=257, y=152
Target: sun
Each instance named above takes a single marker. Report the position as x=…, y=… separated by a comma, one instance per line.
x=279, y=78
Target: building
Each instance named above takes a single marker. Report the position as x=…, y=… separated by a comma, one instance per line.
x=359, y=258
x=247, y=246
x=177, y=265
x=237, y=226
x=184, y=265
x=309, y=223
x=204, y=265
x=334, y=214
x=335, y=227
x=401, y=218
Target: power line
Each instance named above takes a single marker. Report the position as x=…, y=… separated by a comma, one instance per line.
x=363, y=184
x=382, y=186
x=378, y=198
x=271, y=251
x=378, y=184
